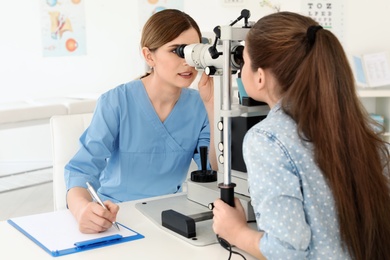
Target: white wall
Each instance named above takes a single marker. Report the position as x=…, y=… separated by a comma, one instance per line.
x=111, y=48
x=112, y=37
x=113, y=32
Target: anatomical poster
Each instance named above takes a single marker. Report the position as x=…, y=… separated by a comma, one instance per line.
x=63, y=28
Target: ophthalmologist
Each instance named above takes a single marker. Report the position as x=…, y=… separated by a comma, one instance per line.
x=144, y=133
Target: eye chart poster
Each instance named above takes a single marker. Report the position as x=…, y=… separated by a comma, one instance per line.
x=328, y=13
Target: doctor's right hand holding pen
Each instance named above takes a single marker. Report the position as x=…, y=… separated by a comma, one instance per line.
x=92, y=217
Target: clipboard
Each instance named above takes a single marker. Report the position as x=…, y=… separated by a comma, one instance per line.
x=57, y=233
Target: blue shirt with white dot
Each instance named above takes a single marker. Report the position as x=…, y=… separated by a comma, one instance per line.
x=292, y=201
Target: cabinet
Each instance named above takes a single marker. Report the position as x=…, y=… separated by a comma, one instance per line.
x=377, y=100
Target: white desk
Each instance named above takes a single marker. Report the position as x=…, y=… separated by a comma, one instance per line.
x=157, y=244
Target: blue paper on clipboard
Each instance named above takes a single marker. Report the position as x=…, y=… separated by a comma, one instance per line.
x=57, y=233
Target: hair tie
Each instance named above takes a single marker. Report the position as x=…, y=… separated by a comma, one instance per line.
x=311, y=33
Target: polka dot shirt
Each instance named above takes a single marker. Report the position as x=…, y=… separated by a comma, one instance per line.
x=291, y=199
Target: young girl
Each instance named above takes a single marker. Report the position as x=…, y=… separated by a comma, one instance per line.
x=144, y=134
x=318, y=173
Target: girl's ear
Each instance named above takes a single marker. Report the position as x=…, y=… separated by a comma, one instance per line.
x=260, y=79
x=148, y=56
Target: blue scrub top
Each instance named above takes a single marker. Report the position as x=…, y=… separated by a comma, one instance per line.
x=127, y=153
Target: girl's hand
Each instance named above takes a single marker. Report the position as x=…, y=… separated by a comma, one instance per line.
x=229, y=221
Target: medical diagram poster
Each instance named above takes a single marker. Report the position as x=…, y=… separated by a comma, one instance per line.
x=63, y=28
x=148, y=7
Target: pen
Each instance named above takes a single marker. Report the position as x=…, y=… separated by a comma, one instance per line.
x=98, y=200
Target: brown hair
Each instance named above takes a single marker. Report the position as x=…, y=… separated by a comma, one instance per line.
x=318, y=92
x=165, y=26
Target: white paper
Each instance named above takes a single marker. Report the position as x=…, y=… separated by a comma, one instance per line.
x=58, y=230
x=377, y=69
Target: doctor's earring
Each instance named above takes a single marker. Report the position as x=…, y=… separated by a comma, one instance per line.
x=150, y=69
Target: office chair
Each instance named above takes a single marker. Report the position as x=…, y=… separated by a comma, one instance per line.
x=65, y=132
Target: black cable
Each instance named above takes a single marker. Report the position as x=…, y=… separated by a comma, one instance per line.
x=225, y=244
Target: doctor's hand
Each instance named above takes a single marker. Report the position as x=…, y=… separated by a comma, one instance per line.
x=94, y=218
x=206, y=88
x=229, y=221
x=91, y=217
